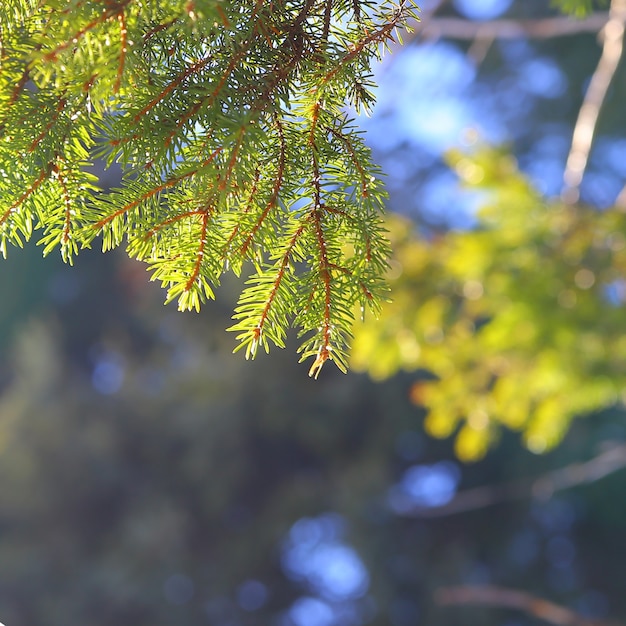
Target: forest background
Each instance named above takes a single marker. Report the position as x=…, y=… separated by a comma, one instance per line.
x=150, y=476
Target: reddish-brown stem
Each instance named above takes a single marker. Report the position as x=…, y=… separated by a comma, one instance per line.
x=182, y=121
x=255, y=184
x=189, y=71
x=513, y=599
x=67, y=224
x=43, y=175
x=101, y=19
x=368, y=294
x=190, y=9
x=277, y=281
x=378, y=36
x=355, y=160
x=121, y=18
x=151, y=193
x=55, y=116
x=231, y=66
x=278, y=183
x=233, y=158
x=200, y=254
x=19, y=86
x=314, y=117
x=223, y=17
x=157, y=29
x=327, y=17
x=345, y=270
x=88, y=84
x=334, y=211
x=324, y=350
x=137, y=201
x=119, y=142
x=302, y=16
x=181, y=216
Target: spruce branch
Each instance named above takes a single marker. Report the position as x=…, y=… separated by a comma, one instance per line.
x=228, y=119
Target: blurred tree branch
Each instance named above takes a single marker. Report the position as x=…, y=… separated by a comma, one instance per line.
x=611, y=27
x=582, y=138
x=610, y=460
x=513, y=599
x=544, y=28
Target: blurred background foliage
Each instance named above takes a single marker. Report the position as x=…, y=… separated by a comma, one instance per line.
x=517, y=322
x=151, y=477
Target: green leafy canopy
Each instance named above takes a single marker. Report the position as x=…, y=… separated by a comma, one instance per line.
x=229, y=121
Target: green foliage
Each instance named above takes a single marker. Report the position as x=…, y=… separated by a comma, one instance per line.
x=519, y=321
x=228, y=119
x=578, y=8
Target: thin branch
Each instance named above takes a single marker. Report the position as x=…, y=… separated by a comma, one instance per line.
x=513, y=599
x=53, y=119
x=151, y=193
x=380, y=36
x=611, y=460
x=176, y=218
x=106, y=15
x=206, y=214
x=224, y=179
x=584, y=130
x=620, y=201
x=543, y=28
x=251, y=198
x=30, y=190
x=194, y=68
x=328, y=8
x=280, y=275
x=323, y=353
x=67, y=223
x=19, y=86
x=350, y=149
x=278, y=183
x=121, y=18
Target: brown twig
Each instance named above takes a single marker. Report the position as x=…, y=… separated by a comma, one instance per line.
x=324, y=350
x=612, y=459
x=30, y=190
x=280, y=276
x=67, y=223
x=543, y=28
x=121, y=18
x=151, y=193
x=278, y=183
x=206, y=215
x=513, y=599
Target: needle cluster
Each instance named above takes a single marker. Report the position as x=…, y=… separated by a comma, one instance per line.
x=229, y=120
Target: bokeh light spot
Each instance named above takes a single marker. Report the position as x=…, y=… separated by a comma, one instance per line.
x=311, y=612
x=482, y=9
x=108, y=374
x=252, y=595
